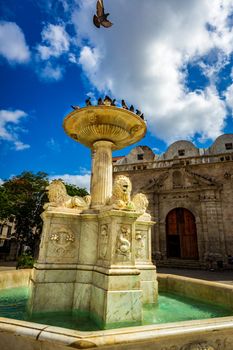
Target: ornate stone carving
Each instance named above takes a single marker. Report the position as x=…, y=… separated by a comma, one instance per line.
x=140, y=250
x=198, y=346
x=62, y=239
x=123, y=246
x=103, y=245
x=140, y=202
x=121, y=194
x=192, y=346
x=58, y=197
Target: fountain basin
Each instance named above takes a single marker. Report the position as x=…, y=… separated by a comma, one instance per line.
x=187, y=335
x=97, y=123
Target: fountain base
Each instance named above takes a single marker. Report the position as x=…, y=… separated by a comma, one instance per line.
x=99, y=263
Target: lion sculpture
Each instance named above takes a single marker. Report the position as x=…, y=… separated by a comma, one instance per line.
x=121, y=196
x=59, y=198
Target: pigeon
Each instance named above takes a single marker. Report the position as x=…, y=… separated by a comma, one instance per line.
x=75, y=107
x=100, y=101
x=107, y=101
x=138, y=112
x=142, y=116
x=100, y=19
x=88, y=101
x=131, y=108
x=113, y=102
x=124, y=105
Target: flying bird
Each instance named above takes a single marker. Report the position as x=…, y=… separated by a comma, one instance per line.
x=75, y=107
x=100, y=19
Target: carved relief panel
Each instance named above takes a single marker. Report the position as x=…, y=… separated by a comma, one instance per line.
x=103, y=242
x=62, y=245
x=141, y=245
x=123, y=250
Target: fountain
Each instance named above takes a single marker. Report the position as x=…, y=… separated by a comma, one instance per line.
x=95, y=252
x=95, y=259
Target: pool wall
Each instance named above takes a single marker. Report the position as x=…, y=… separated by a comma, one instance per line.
x=15, y=278
x=210, y=334
x=206, y=291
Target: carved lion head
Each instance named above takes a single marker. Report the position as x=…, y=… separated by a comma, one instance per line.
x=57, y=192
x=122, y=188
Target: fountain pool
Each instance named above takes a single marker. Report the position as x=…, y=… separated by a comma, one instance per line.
x=180, y=323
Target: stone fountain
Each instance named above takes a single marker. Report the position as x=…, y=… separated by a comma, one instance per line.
x=95, y=253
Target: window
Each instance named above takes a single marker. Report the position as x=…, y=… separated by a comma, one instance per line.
x=140, y=156
x=228, y=146
x=181, y=152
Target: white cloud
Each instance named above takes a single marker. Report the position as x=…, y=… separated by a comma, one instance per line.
x=143, y=57
x=49, y=72
x=82, y=181
x=9, y=121
x=229, y=97
x=12, y=43
x=55, y=42
x=1, y=182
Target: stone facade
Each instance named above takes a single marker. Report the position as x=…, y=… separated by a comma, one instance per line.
x=190, y=193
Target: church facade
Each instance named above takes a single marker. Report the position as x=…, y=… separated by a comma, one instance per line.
x=190, y=193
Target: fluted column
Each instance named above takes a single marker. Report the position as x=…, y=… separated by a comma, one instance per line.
x=101, y=181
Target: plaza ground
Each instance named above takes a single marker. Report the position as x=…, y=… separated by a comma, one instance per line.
x=224, y=276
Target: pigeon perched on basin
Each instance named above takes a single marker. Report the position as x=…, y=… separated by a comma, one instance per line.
x=124, y=105
x=75, y=107
x=100, y=19
x=131, y=108
x=100, y=101
x=107, y=101
x=88, y=101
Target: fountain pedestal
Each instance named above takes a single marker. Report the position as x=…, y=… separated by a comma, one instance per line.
x=97, y=260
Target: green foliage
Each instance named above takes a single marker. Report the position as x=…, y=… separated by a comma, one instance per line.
x=73, y=190
x=25, y=261
x=22, y=198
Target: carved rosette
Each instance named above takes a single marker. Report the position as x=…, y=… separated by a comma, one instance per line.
x=123, y=245
x=103, y=241
x=62, y=241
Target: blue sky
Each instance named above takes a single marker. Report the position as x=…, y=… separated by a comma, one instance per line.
x=173, y=59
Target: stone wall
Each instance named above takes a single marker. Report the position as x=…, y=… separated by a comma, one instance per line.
x=202, y=184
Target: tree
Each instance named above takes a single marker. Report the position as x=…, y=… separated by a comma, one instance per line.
x=73, y=190
x=22, y=198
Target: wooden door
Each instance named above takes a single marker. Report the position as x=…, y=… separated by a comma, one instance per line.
x=181, y=234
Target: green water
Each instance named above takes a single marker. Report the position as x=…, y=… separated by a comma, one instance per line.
x=170, y=308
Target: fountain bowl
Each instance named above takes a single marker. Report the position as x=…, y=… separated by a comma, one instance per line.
x=94, y=123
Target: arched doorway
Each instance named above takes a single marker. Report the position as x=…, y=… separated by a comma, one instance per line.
x=181, y=234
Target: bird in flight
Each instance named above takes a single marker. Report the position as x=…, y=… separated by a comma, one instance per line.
x=100, y=19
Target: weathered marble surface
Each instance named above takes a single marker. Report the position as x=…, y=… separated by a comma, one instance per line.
x=98, y=262
x=210, y=334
